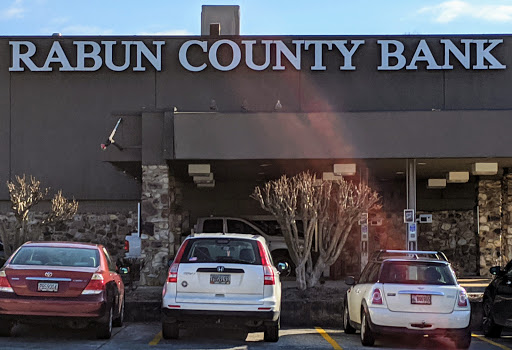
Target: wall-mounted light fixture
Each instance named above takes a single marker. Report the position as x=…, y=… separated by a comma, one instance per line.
x=212, y=184
x=484, y=169
x=331, y=176
x=199, y=169
x=436, y=183
x=345, y=169
x=204, y=179
x=457, y=177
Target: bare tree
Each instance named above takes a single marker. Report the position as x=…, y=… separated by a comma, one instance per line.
x=25, y=194
x=331, y=207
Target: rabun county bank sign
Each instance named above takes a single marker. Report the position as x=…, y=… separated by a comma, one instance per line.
x=472, y=54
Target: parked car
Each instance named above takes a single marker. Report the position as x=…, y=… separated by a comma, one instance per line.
x=223, y=224
x=65, y=282
x=223, y=279
x=497, y=304
x=407, y=292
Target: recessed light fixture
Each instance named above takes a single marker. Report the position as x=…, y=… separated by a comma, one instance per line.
x=265, y=164
x=262, y=173
x=422, y=163
x=400, y=173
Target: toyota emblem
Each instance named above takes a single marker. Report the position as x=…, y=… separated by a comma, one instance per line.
x=220, y=268
x=48, y=274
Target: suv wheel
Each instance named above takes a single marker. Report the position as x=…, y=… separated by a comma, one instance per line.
x=491, y=329
x=170, y=330
x=367, y=336
x=271, y=333
x=104, y=328
x=346, y=320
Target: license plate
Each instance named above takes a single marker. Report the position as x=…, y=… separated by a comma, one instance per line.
x=421, y=299
x=47, y=287
x=220, y=279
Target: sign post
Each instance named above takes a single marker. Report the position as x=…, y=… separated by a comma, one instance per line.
x=412, y=237
x=364, y=239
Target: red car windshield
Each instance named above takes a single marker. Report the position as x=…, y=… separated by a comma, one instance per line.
x=57, y=256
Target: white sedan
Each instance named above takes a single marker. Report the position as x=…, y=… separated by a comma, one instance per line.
x=407, y=292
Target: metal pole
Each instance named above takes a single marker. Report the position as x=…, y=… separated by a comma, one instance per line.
x=363, y=178
x=411, y=234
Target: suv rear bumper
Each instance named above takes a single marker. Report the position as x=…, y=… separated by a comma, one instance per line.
x=214, y=316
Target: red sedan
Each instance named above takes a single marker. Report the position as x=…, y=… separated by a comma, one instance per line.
x=67, y=282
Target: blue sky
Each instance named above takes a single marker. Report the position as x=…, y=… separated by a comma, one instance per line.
x=258, y=17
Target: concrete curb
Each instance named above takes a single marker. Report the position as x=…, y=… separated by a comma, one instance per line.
x=304, y=313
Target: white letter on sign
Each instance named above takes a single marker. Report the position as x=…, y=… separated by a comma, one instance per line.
x=249, y=59
x=81, y=55
x=183, y=55
x=423, y=53
x=109, y=60
x=18, y=57
x=347, y=55
x=281, y=48
x=385, y=55
x=155, y=60
x=482, y=54
x=61, y=58
x=212, y=55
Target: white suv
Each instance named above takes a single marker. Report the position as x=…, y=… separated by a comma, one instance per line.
x=407, y=292
x=221, y=279
x=225, y=224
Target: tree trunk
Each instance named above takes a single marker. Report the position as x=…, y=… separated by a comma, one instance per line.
x=300, y=278
x=317, y=272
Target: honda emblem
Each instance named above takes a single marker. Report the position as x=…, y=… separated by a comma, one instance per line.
x=220, y=268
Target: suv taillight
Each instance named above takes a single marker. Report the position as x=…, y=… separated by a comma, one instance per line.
x=5, y=286
x=462, y=299
x=173, y=270
x=126, y=246
x=96, y=285
x=377, y=296
x=268, y=273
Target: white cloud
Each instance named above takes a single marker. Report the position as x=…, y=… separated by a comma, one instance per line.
x=449, y=11
x=16, y=10
x=168, y=32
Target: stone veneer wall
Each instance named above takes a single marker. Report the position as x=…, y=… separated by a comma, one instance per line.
x=506, y=248
x=452, y=232
x=490, y=227
x=107, y=229
x=157, y=242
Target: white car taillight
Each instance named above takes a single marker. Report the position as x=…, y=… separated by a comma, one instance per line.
x=96, y=285
x=268, y=273
x=173, y=270
x=462, y=299
x=5, y=286
x=377, y=297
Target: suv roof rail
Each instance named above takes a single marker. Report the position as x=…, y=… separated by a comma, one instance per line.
x=415, y=254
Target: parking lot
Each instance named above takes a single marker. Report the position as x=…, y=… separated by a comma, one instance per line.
x=148, y=336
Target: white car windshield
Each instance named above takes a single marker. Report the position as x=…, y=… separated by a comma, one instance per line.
x=416, y=272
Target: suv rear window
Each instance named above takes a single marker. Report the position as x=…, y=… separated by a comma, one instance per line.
x=226, y=250
x=416, y=272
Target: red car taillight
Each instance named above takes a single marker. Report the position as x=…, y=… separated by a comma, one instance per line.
x=462, y=299
x=377, y=296
x=173, y=270
x=96, y=285
x=126, y=246
x=268, y=272
x=5, y=286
